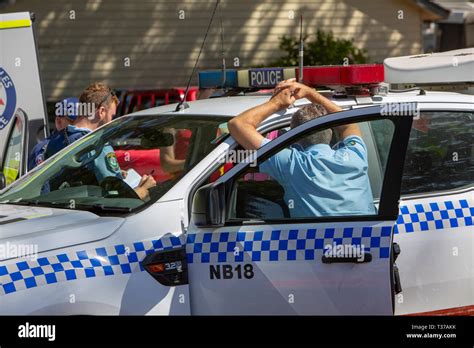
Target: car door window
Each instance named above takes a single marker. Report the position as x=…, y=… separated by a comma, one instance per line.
x=230, y=162
x=14, y=153
x=310, y=178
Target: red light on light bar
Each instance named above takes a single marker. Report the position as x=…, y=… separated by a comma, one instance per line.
x=350, y=75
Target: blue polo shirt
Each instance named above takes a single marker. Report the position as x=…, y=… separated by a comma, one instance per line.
x=322, y=181
x=36, y=156
x=61, y=139
x=104, y=165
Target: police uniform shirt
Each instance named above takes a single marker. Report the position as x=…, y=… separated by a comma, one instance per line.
x=321, y=180
x=37, y=154
x=104, y=165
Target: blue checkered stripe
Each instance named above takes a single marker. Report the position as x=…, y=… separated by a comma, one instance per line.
x=434, y=216
x=283, y=245
x=106, y=261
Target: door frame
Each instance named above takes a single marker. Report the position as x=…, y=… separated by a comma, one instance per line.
x=19, y=114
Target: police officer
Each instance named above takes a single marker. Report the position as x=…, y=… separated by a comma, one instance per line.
x=97, y=106
x=64, y=117
x=325, y=180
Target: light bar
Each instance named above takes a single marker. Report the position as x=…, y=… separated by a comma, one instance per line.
x=350, y=75
x=248, y=78
x=213, y=79
x=263, y=77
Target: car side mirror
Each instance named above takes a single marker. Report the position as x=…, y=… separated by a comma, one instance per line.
x=208, y=209
x=3, y=181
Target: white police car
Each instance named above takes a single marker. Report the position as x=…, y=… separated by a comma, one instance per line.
x=217, y=237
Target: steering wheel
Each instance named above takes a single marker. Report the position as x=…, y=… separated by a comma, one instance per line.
x=115, y=187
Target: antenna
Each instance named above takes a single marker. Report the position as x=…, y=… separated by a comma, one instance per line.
x=300, y=77
x=182, y=104
x=223, y=51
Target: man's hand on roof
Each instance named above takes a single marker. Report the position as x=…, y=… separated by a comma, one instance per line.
x=284, y=97
x=300, y=90
x=243, y=127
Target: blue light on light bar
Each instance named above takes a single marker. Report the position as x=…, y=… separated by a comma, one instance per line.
x=213, y=79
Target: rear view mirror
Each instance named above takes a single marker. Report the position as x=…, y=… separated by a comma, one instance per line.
x=153, y=140
x=208, y=208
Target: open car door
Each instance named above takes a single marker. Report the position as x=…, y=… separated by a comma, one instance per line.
x=15, y=154
x=253, y=248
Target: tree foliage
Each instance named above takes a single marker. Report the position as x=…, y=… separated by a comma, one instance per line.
x=324, y=49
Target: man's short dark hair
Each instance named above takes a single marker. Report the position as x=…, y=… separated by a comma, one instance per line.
x=307, y=113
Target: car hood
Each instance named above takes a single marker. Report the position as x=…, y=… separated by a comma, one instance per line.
x=51, y=228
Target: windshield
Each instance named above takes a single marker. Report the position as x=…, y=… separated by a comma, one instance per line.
x=102, y=171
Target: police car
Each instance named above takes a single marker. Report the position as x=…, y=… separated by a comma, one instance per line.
x=216, y=236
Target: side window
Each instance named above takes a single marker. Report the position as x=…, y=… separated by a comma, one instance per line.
x=315, y=177
x=230, y=163
x=14, y=153
x=440, y=153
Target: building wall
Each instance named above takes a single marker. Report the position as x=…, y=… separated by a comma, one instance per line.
x=162, y=47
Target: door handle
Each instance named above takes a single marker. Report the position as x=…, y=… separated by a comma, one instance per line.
x=367, y=257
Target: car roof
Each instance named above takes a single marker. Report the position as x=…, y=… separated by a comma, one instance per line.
x=230, y=106
x=221, y=106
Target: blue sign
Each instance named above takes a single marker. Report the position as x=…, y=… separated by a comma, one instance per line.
x=265, y=77
x=7, y=98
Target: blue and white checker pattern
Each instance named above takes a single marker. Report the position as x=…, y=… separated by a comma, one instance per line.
x=433, y=216
x=235, y=246
x=283, y=245
x=107, y=261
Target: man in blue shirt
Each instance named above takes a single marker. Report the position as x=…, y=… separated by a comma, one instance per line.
x=65, y=116
x=318, y=180
x=101, y=104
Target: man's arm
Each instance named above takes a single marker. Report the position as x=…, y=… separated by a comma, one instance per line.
x=146, y=183
x=168, y=160
x=244, y=126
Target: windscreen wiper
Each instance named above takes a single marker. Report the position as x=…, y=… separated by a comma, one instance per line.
x=105, y=208
x=38, y=203
x=95, y=208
